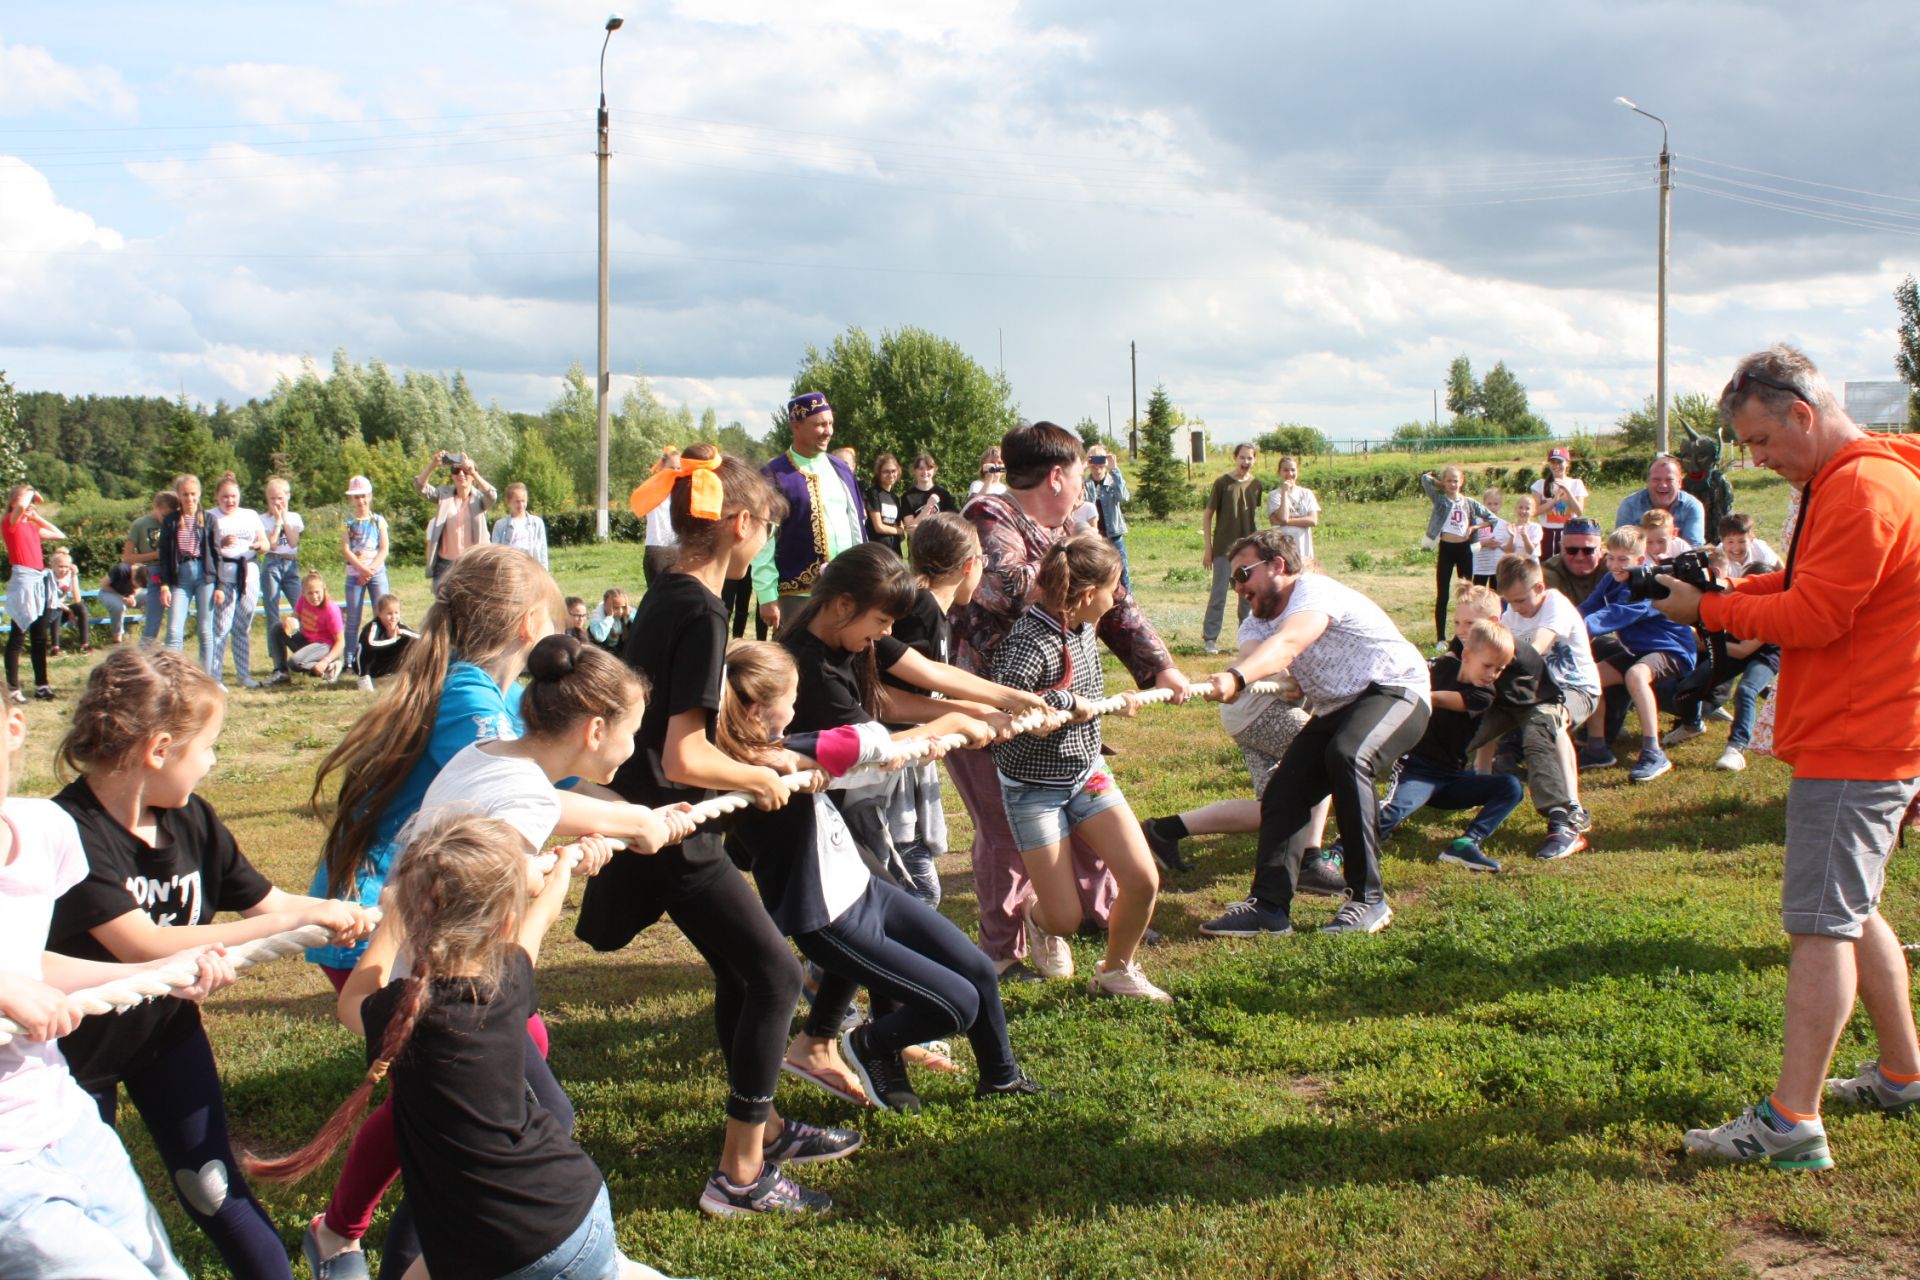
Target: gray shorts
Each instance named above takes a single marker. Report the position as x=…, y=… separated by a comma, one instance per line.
x=1840, y=833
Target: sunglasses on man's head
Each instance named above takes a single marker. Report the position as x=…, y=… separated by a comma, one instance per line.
x=1746, y=376
x=1244, y=573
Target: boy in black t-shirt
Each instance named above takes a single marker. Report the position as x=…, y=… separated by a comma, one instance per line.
x=1437, y=773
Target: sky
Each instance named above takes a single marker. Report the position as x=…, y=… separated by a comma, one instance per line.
x=1297, y=214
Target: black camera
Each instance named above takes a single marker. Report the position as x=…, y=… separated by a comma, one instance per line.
x=1690, y=567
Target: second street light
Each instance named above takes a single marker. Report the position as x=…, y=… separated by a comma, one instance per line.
x=603, y=383
x=1660, y=441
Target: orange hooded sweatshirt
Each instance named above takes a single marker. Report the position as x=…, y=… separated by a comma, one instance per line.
x=1849, y=625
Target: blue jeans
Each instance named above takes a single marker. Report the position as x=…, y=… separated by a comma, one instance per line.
x=233, y=621
x=192, y=589
x=152, y=616
x=590, y=1253
x=279, y=581
x=78, y=1211
x=358, y=593
x=1215, y=616
x=1418, y=784
x=1126, y=570
x=1041, y=813
x=1756, y=680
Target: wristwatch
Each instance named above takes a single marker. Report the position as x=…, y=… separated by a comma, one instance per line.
x=1235, y=673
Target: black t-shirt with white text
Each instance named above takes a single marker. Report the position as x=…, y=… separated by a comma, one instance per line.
x=193, y=873
x=913, y=501
x=883, y=503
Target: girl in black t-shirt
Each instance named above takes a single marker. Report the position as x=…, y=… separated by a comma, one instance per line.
x=497, y=1183
x=161, y=865
x=927, y=977
x=883, y=507
x=383, y=642
x=722, y=510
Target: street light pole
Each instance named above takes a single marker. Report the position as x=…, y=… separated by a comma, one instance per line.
x=1660, y=440
x=604, y=382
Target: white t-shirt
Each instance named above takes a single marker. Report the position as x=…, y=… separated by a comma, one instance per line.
x=1761, y=558
x=285, y=539
x=979, y=485
x=1360, y=646
x=660, y=528
x=1525, y=541
x=515, y=791
x=1301, y=504
x=1554, y=511
x=238, y=529
x=1486, y=554
x=1570, y=661
x=38, y=1097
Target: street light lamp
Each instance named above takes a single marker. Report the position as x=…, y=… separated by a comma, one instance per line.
x=604, y=382
x=1666, y=234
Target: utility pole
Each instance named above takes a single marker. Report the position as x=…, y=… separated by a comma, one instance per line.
x=1436, y=408
x=1660, y=437
x=604, y=382
x=1109, y=417
x=1133, y=427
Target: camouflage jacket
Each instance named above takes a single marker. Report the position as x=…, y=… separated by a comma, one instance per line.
x=1013, y=544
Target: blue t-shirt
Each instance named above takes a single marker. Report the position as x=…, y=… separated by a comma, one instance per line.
x=472, y=709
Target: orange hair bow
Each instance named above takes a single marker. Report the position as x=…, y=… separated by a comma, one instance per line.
x=707, y=495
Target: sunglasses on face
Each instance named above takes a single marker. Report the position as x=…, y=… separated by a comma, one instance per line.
x=1244, y=574
x=1745, y=377
x=1578, y=551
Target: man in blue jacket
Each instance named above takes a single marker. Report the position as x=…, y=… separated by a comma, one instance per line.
x=1664, y=490
x=1635, y=645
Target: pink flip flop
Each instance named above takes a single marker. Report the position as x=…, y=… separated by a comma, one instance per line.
x=822, y=1080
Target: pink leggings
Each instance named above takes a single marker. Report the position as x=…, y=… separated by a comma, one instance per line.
x=373, y=1161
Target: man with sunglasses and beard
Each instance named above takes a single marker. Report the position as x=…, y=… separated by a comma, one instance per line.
x=1576, y=569
x=1367, y=688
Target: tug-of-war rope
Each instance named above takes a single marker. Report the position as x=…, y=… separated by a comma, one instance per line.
x=164, y=979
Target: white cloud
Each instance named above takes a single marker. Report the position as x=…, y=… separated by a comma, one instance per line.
x=246, y=372
x=33, y=80
x=272, y=93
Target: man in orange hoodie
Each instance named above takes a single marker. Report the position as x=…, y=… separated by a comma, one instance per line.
x=1846, y=615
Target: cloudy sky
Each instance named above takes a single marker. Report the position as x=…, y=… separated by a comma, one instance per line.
x=1297, y=212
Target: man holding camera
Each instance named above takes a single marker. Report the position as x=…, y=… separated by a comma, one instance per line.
x=1107, y=490
x=1848, y=721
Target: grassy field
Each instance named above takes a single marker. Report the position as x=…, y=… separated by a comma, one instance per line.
x=1494, y=1087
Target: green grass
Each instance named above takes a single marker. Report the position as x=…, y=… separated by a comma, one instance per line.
x=1494, y=1087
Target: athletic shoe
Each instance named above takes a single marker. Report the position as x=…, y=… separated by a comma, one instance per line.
x=1021, y=1086
x=803, y=1143
x=1128, y=980
x=250, y=683
x=772, y=1192
x=1683, y=732
x=1751, y=1138
x=1049, y=952
x=1721, y=714
x=1019, y=975
x=348, y=1264
x=1733, y=760
x=1565, y=836
x=1323, y=874
x=1212, y=648
x=1590, y=754
x=366, y=684
x=1249, y=919
x=44, y=693
x=883, y=1075
x=1871, y=1089
x=1359, y=917
x=1652, y=764
x=333, y=670
x=278, y=677
x=1166, y=849
x=1465, y=853
x=1578, y=818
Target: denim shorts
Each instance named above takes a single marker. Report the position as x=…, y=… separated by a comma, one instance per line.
x=1041, y=814
x=590, y=1253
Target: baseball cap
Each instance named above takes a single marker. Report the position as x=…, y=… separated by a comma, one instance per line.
x=359, y=485
x=1559, y=454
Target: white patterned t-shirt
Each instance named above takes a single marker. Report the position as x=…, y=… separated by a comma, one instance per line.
x=1360, y=646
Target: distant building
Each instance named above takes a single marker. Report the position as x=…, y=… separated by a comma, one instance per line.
x=1879, y=404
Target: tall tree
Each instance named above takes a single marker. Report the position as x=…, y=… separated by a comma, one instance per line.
x=1907, y=298
x=913, y=390
x=549, y=487
x=1158, y=482
x=1503, y=401
x=189, y=449
x=1463, y=392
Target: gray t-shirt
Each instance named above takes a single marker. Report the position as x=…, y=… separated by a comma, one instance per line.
x=1360, y=646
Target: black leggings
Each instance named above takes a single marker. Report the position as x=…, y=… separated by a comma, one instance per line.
x=737, y=596
x=756, y=984
x=1338, y=754
x=38, y=631
x=1454, y=560
x=178, y=1096
x=937, y=982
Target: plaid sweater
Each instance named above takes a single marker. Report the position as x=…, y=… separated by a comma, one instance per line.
x=1038, y=655
x=1013, y=544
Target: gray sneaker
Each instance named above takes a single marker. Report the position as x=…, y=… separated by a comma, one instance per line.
x=1323, y=874
x=1359, y=917
x=1750, y=1138
x=1871, y=1089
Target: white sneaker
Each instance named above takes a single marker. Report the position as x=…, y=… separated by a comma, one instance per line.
x=1721, y=714
x=1682, y=733
x=1733, y=760
x=1750, y=1138
x=1128, y=980
x=1049, y=952
x=366, y=683
x=331, y=672
x=1871, y=1089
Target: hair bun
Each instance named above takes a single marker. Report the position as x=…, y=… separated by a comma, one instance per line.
x=553, y=658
